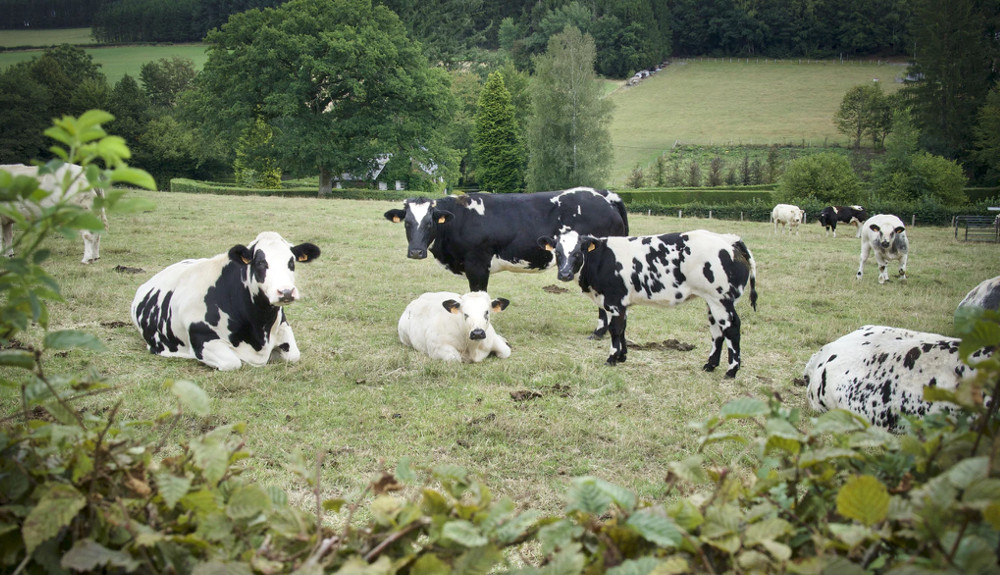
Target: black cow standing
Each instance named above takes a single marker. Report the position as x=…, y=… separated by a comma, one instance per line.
x=830, y=215
x=480, y=233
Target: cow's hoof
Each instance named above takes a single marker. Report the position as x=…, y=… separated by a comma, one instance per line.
x=611, y=361
x=596, y=336
x=732, y=373
x=709, y=367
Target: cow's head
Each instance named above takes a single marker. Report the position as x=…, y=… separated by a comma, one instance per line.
x=475, y=308
x=421, y=218
x=269, y=266
x=886, y=238
x=570, y=248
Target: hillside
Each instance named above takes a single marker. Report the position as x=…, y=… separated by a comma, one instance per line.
x=738, y=103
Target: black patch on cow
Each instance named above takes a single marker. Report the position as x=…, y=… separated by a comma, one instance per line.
x=251, y=316
x=707, y=270
x=284, y=347
x=154, y=318
x=911, y=358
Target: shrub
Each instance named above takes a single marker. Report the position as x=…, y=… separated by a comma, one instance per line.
x=827, y=177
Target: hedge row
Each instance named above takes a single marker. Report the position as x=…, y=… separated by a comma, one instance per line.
x=197, y=187
x=677, y=196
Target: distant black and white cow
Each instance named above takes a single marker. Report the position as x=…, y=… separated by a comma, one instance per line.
x=480, y=233
x=880, y=374
x=985, y=295
x=885, y=236
x=451, y=327
x=227, y=309
x=831, y=215
x=788, y=216
x=68, y=177
x=665, y=270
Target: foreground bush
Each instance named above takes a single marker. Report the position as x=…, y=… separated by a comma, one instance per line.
x=91, y=492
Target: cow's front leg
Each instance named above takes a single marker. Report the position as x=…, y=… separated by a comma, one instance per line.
x=883, y=268
x=220, y=355
x=616, y=326
x=602, y=325
x=91, y=246
x=865, y=250
x=285, y=347
x=902, y=267
x=478, y=274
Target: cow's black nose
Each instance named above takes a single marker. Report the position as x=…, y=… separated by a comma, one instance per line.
x=417, y=254
x=287, y=295
x=565, y=276
x=477, y=334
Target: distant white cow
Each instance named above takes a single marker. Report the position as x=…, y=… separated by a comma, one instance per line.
x=451, y=327
x=880, y=374
x=885, y=235
x=985, y=295
x=54, y=183
x=788, y=216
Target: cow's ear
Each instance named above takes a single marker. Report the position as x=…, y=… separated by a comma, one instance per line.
x=874, y=228
x=589, y=243
x=442, y=216
x=241, y=254
x=500, y=304
x=900, y=230
x=305, y=252
x=452, y=306
x=546, y=243
x=395, y=216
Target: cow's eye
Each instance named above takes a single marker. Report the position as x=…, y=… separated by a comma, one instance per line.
x=486, y=315
x=291, y=264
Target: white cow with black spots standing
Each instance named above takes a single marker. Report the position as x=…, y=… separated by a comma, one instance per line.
x=885, y=236
x=665, y=270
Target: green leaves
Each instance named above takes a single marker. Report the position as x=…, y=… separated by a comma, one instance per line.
x=865, y=499
x=57, y=506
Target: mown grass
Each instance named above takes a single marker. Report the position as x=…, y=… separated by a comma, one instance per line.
x=364, y=401
x=735, y=103
x=44, y=38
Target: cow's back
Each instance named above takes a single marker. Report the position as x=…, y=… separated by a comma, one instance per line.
x=426, y=321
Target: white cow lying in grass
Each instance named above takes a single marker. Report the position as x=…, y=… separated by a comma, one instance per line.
x=451, y=327
x=76, y=192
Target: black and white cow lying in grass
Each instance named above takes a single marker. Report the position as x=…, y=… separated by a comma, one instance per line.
x=880, y=374
x=885, y=236
x=666, y=270
x=227, y=309
x=69, y=182
x=451, y=327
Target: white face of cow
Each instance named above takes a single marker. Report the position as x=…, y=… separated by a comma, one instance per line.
x=270, y=266
x=885, y=237
x=475, y=308
x=569, y=249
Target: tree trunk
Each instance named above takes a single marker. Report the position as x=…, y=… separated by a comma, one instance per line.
x=325, y=182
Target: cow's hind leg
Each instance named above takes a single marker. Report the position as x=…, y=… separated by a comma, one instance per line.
x=619, y=348
x=715, y=332
x=724, y=327
x=732, y=336
x=91, y=246
x=602, y=325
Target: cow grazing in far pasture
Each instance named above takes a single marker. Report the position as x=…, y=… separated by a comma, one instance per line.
x=986, y=295
x=663, y=270
x=788, y=216
x=225, y=310
x=832, y=215
x=451, y=327
x=885, y=236
x=480, y=233
x=880, y=374
x=68, y=177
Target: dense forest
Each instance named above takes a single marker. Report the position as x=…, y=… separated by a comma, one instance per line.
x=630, y=35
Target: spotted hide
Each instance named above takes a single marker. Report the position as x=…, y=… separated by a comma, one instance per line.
x=832, y=215
x=665, y=270
x=880, y=373
x=227, y=309
x=885, y=236
x=985, y=295
x=451, y=327
x=478, y=234
x=60, y=181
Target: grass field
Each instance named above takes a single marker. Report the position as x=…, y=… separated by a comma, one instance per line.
x=44, y=38
x=364, y=401
x=713, y=102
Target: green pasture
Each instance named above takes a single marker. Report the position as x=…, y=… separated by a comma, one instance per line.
x=735, y=103
x=362, y=401
x=44, y=38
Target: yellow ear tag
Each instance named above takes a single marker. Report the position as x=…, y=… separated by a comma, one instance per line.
x=441, y=220
x=303, y=258
x=395, y=219
x=245, y=261
x=591, y=247
x=548, y=248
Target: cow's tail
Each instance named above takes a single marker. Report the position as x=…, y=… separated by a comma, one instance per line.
x=744, y=253
x=619, y=205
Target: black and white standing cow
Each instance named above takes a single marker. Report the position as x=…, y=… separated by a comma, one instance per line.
x=885, y=236
x=665, y=270
x=227, y=309
x=830, y=216
x=986, y=295
x=481, y=233
x=880, y=374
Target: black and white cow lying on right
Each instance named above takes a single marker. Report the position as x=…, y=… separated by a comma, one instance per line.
x=667, y=270
x=985, y=295
x=227, y=309
x=831, y=215
x=880, y=374
x=885, y=236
